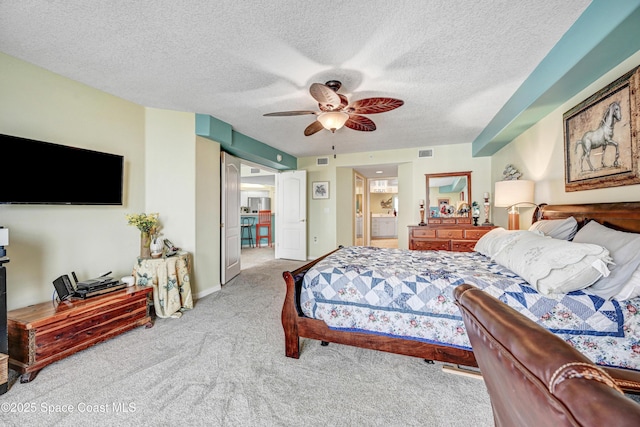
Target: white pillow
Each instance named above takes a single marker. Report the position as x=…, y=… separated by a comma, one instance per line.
x=563, y=229
x=625, y=251
x=553, y=266
x=491, y=242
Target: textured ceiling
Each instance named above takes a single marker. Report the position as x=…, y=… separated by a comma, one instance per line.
x=454, y=63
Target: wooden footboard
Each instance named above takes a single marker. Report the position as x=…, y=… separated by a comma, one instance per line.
x=296, y=325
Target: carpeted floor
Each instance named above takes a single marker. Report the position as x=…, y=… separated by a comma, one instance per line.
x=223, y=364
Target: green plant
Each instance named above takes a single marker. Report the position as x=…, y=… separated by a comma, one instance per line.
x=144, y=222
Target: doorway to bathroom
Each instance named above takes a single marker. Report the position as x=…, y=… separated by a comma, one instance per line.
x=376, y=205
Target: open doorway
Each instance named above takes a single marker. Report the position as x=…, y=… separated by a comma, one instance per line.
x=383, y=206
x=361, y=227
x=379, y=209
x=257, y=193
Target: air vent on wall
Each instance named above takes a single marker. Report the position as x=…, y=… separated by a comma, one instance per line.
x=426, y=153
x=255, y=170
x=322, y=161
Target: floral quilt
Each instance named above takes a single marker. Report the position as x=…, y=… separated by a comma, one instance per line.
x=409, y=294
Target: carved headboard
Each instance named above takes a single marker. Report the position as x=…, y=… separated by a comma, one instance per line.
x=623, y=216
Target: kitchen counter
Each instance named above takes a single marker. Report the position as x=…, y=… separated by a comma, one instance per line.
x=254, y=214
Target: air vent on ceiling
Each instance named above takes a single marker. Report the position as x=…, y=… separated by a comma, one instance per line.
x=255, y=170
x=426, y=153
x=322, y=161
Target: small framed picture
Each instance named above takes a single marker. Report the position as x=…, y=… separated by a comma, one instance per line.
x=320, y=189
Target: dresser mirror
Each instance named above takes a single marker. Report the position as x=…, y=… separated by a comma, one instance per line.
x=449, y=198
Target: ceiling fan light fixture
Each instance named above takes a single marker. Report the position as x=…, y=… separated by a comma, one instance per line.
x=333, y=120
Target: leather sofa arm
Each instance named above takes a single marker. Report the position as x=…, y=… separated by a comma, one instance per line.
x=627, y=381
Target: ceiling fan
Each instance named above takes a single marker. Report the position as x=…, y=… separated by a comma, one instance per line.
x=335, y=110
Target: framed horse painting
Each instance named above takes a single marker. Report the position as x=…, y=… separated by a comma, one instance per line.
x=601, y=137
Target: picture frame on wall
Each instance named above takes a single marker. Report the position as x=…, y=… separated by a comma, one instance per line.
x=320, y=190
x=601, y=137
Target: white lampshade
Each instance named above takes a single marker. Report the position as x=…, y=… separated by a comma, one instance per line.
x=513, y=192
x=333, y=120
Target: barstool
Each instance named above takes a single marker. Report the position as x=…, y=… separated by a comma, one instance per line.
x=246, y=232
x=264, y=222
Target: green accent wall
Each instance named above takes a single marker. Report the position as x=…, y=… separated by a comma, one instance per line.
x=242, y=146
x=607, y=33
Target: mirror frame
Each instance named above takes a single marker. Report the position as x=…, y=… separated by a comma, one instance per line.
x=453, y=219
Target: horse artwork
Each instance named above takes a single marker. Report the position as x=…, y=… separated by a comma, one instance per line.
x=601, y=142
x=601, y=137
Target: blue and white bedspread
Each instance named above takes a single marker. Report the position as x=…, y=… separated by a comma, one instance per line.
x=409, y=294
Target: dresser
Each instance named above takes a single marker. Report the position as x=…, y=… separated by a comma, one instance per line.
x=446, y=237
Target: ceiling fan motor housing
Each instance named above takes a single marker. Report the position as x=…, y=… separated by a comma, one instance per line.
x=334, y=85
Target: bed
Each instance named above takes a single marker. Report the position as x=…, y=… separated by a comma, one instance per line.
x=609, y=325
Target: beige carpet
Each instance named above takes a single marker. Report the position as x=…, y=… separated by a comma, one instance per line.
x=223, y=364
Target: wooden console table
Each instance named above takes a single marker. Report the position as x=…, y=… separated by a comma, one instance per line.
x=44, y=333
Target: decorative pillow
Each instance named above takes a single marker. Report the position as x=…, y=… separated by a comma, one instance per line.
x=625, y=251
x=491, y=242
x=563, y=229
x=553, y=266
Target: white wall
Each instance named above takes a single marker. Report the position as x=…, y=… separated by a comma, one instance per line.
x=49, y=240
x=182, y=184
x=207, y=225
x=171, y=173
x=167, y=170
x=539, y=154
x=329, y=218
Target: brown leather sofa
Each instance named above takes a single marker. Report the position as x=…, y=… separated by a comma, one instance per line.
x=533, y=377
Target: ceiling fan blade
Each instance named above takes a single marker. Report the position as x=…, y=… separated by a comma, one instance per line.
x=290, y=113
x=327, y=98
x=343, y=104
x=313, y=128
x=361, y=123
x=374, y=105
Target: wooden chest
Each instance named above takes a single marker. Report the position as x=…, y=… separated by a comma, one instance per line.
x=445, y=237
x=4, y=373
x=44, y=333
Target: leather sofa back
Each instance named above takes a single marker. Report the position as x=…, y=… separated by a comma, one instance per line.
x=533, y=377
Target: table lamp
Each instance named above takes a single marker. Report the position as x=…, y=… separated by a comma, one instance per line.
x=509, y=194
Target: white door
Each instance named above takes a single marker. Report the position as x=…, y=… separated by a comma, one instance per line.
x=229, y=217
x=291, y=216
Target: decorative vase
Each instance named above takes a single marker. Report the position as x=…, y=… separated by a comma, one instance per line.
x=145, y=244
x=157, y=245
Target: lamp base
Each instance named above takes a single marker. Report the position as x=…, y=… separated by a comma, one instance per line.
x=514, y=220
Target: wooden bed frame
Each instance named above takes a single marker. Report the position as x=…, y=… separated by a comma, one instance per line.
x=620, y=216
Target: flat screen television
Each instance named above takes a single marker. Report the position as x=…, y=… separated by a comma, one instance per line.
x=37, y=172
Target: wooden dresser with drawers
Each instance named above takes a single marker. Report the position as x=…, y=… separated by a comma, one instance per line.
x=446, y=237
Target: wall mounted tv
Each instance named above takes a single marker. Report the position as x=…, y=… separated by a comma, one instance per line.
x=37, y=172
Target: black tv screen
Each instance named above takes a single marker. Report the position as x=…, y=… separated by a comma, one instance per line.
x=37, y=172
